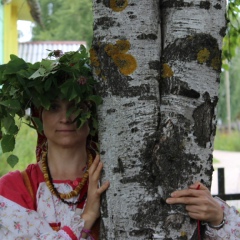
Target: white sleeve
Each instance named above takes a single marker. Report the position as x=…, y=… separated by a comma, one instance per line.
x=17, y=222
x=231, y=228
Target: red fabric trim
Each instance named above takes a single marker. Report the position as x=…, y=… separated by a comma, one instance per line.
x=55, y=226
x=13, y=188
x=70, y=233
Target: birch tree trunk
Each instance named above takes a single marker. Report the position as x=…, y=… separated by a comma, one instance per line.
x=151, y=146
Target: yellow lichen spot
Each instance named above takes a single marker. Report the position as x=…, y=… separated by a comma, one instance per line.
x=126, y=63
x=183, y=234
x=95, y=61
x=94, y=58
x=167, y=71
x=123, y=45
x=216, y=63
x=203, y=55
x=97, y=71
x=111, y=49
x=118, y=5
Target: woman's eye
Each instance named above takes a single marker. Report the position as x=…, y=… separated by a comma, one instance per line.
x=54, y=107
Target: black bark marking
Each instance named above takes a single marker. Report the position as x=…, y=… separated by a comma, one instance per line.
x=152, y=217
x=154, y=65
x=176, y=4
x=203, y=118
x=132, y=16
x=104, y=204
x=187, y=49
x=133, y=130
x=177, y=87
x=146, y=232
x=144, y=36
x=218, y=6
x=111, y=110
x=104, y=22
x=222, y=32
x=120, y=168
x=189, y=93
x=131, y=104
x=205, y=4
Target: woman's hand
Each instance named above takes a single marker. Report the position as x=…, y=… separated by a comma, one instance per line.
x=199, y=203
x=92, y=208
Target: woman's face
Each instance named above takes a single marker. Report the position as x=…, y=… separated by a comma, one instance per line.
x=60, y=129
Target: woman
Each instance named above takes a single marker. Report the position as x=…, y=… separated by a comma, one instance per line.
x=59, y=196
x=221, y=221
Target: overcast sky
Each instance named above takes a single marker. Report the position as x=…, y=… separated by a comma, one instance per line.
x=24, y=30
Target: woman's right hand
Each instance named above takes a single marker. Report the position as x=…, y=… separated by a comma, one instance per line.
x=92, y=209
x=199, y=203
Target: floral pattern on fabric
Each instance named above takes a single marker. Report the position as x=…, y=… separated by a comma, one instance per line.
x=231, y=228
x=17, y=222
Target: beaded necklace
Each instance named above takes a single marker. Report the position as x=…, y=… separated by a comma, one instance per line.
x=62, y=196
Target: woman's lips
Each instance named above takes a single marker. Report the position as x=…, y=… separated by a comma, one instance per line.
x=65, y=130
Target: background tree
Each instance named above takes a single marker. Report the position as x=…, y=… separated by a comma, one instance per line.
x=65, y=21
x=158, y=64
x=234, y=73
x=230, y=84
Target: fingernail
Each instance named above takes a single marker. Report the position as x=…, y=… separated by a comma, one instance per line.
x=168, y=200
x=173, y=194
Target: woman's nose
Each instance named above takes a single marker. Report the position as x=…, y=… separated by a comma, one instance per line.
x=65, y=117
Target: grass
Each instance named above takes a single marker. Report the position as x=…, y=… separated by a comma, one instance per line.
x=227, y=141
x=215, y=161
x=25, y=150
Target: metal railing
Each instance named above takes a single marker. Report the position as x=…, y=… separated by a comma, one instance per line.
x=221, y=188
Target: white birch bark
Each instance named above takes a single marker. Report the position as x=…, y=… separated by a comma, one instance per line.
x=192, y=33
x=147, y=155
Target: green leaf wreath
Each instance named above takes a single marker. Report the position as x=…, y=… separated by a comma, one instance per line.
x=24, y=85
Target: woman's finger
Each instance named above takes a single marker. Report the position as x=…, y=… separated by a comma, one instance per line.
x=186, y=193
x=104, y=187
x=198, y=186
x=94, y=165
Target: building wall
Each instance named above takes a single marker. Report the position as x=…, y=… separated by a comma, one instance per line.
x=1, y=34
x=11, y=12
x=10, y=37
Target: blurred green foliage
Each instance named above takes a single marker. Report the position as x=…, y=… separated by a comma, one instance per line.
x=65, y=20
x=227, y=141
x=25, y=150
x=234, y=79
x=232, y=38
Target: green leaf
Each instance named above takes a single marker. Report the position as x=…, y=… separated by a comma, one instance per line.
x=9, y=124
x=12, y=160
x=8, y=143
x=47, y=84
x=15, y=65
x=225, y=67
x=96, y=99
x=39, y=73
x=69, y=90
x=13, y=104
x=38, y=123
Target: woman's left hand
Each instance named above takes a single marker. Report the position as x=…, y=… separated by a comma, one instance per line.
x=199, y=202
x=92, y=209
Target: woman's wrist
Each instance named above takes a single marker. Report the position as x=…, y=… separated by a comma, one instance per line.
x=86, y=233
x=218, y=220
x=88, y=221
x=216, y=224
